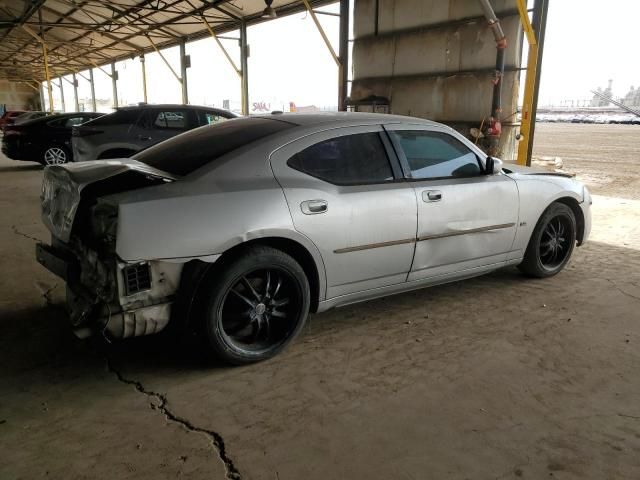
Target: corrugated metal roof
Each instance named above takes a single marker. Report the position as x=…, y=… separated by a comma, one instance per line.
x=84, y=33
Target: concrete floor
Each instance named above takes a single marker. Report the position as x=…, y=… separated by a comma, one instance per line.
x=496, y=377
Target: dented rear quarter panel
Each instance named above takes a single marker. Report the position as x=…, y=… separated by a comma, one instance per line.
x=205, y=214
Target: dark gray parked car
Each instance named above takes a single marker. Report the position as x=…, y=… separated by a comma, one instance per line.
x=131, y=129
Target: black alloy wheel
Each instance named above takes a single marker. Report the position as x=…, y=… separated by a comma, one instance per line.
x=258, y=304
x=552, y=242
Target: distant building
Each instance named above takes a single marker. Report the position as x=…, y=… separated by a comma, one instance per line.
x=632, y=98
x=598, y=101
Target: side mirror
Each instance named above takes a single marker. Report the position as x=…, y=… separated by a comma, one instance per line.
x=493, y=166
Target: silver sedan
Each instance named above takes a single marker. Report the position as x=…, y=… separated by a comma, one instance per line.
x=239, y=230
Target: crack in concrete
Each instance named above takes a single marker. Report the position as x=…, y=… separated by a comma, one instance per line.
x=47, y=295
x=615, y=285
x=25, y=235
x=160, y=404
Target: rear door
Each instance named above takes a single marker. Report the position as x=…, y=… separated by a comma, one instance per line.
x=161, y=124
x=466, y=219
x=345, y=192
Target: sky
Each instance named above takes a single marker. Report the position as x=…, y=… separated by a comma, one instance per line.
x=587, y=43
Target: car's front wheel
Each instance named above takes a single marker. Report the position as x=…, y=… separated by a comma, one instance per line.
x=56, y=156
x=551, y=243
x=255, y=305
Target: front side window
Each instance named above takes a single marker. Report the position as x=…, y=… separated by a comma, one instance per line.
x=351, y=159
x=170, y=119
x=436, y=154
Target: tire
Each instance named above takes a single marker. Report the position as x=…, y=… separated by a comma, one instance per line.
x=56, y=155
x=254, y=306
x=551, y=243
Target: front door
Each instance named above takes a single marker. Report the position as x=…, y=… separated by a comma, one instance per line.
x=466, y=218
x=345, y=192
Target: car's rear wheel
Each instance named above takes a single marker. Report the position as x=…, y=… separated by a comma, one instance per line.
x=552, y=242
x=56, y=156
x=255, y=306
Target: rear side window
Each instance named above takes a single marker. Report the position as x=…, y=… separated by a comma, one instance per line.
x=208, y=118
x=70, y=122
x=170, y=119
x=348, y=160
x=191, y=150
x=436, y=154
x=120, y=117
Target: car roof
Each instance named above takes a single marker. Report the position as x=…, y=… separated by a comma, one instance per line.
x=342, y=118
x=57, y=116
x=167, y=105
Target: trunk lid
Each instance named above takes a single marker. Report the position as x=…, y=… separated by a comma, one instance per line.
x=62, y=188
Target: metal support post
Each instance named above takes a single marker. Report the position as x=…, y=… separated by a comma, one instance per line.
x=539, y=25
x=244, y=80
x=48, y=76
x=41, y=91
x=314, y=17
x=343, y=68
x=184, y=64
x=75, y=92
x=114, y=83
x=64, y=108
x=164, y=59
x=93, y=90
x=224, y=50
x=144, y=78
x=532, y=79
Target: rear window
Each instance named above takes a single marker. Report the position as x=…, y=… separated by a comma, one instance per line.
x=119, y=117
x=189, y=151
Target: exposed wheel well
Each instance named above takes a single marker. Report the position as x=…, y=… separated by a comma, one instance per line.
x=299, y=253
x=196, y=271
x=573, y=204
x=116, y=153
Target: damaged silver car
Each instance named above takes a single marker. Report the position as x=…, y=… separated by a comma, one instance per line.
x=240, y=229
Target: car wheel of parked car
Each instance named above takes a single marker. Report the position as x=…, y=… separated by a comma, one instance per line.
x=256, y=305
x=551, y=243
x=56, y=156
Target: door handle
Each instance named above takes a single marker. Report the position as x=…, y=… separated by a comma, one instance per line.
x=143, y=137
x=431, y=196
x=314, y=207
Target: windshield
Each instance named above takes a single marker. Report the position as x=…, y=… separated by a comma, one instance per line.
x=189, y=151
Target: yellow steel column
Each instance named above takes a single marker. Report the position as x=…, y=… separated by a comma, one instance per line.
x=46, y=63
x=529, y=85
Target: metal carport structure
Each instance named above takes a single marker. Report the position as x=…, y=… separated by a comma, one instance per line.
x=41, y=39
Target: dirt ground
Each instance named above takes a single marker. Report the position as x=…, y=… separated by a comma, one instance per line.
x=605, y=157
x=493, y=378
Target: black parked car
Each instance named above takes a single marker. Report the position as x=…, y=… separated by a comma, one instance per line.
x=131, y=129
x=46, y=140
